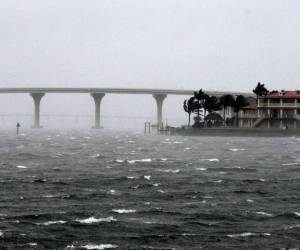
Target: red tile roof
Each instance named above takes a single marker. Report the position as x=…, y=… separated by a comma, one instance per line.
x=250, y=106
x=283, y=94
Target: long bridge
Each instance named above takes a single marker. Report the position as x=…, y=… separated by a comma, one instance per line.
x=98, y=93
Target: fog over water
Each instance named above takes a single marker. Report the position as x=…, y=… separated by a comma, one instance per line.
x=210, y=44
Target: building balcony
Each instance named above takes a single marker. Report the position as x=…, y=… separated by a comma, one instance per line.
x=279, y=105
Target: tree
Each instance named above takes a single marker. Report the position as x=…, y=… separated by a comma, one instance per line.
x=260, y=90
x=226, y=101
x=211, y=104
x=189, y=106
x=200, y=98
x=240, y=102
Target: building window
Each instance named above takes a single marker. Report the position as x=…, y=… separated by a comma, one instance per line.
x=288, y=100
x=275, y=100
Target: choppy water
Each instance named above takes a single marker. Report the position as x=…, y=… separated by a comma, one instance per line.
x=91, y=190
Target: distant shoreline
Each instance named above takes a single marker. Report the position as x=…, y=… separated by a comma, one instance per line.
x=235, y=132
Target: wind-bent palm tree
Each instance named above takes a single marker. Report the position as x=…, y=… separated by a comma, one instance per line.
x=211, y=104
x=240, y=102
x=226, y=101
x=189, y=106
x=200, y=98
x=260, y=90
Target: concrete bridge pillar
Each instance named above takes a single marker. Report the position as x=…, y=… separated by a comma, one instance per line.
x=37, y=101
x=97, y=98
x=159, y=98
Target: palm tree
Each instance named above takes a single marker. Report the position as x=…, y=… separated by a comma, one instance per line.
x=260, y=90
x=226, y=101
x=240, y=102
x=189, y=106
x=211, y=104
x=200, y=97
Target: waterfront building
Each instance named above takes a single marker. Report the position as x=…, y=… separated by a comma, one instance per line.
x=277, y=109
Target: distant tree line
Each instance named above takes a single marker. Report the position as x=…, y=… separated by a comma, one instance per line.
x=205, y=107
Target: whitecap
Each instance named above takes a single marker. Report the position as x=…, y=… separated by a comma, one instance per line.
x=20, y=146
x=236, y=149
x=186, y=234
x=1, y=234
x=262, y=180
x=32, y=244
x=212, y=160
x=72, y=138
x=249, y=200
x=187, y=148
x=247, y=234
x=169, y=171
x=177, y=142
x=264, y=214
x=131, y=177
x=201, y=169
x=51, y=223
x=297, y=214
x=95, y=156
x=218, y=181
x=161, y=191
x=156, y=184
x=163, y=159
x=290, y=164
x=144, y=160
x=141, y=160
x=50, y=196
x=131, y=161
x=119, y=161
x=147, y=177
x=291, y=227
x=92, y=220
x=124, y=211
x=112, y=191
x=21, y=167
x=93, y=246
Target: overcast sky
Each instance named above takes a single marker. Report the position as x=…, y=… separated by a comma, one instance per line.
x=178, y=44
x=181, y=44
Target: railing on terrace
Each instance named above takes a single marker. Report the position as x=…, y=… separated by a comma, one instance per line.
x=279, y=105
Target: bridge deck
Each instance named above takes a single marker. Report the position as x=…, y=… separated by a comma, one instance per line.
x=116, y=91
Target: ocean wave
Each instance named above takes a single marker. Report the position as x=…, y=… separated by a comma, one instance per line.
x=94, y=246
x=292, y=227
x=297, y=214
x=237, y=149
x=124, y=211
x=201, y=169
x=168, y=171
x=290, y=164
x=247, y=234
x=48, y=223
x=32, y=244
x=147, y=177
x=92, y=220
x=21, y=167
x=264, y=214
x=212, y=160
x=139, y=160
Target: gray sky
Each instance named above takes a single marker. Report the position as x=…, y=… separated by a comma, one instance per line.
x=214, y=44
x=180, y=44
